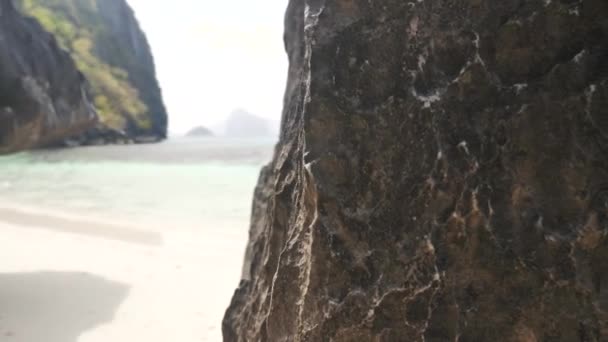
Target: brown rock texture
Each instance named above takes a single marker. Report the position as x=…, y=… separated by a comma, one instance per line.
x=43, y=97
x=442, y=175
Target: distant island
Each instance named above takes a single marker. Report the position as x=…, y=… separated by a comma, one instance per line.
x=243, y=124
x=199, y=131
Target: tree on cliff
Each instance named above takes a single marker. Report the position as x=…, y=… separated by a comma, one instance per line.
x=108, y=46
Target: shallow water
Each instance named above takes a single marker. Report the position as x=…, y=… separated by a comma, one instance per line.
x=124, y=243
x=181, y=183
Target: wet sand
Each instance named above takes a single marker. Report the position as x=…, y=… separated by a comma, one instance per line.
x=68, y=279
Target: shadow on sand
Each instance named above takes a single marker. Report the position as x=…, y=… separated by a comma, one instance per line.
x=55, y=306
x=80, y=226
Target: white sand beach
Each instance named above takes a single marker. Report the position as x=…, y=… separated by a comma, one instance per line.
x=124, y=243
x=66, y=279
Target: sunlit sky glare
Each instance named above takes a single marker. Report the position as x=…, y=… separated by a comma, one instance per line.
x=215, y=56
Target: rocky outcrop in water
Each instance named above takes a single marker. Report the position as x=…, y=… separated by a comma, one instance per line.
x=43, y=97
x=109, y=47
x=199, y=131
x=442, y=175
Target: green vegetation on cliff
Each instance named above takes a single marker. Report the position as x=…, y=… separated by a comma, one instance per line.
x=102, y=37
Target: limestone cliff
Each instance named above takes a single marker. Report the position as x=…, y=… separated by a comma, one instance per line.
x=43, y=97
x=442, y=175
x=105, y=40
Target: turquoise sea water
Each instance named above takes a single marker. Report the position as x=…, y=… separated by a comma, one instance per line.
x=181, y=183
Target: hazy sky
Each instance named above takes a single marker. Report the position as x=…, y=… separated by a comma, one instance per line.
x=215, y=56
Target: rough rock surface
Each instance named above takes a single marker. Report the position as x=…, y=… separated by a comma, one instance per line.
x=136, y=59
x=43, y=97
x=110, y=48
x=442, y=175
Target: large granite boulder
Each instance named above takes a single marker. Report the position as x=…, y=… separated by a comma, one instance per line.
x=442, y=175
x=43, y=97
